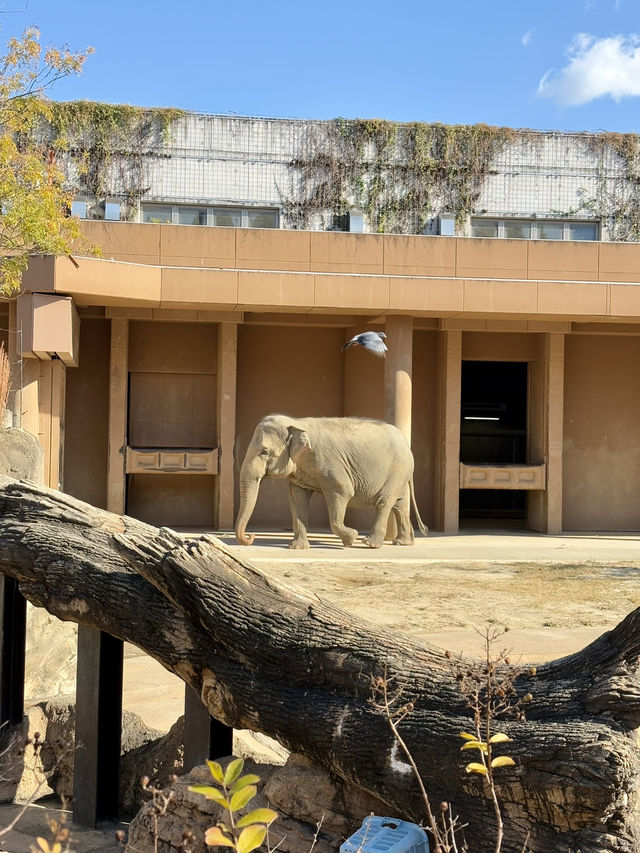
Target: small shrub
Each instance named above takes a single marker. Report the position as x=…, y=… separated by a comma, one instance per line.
x=234, y=793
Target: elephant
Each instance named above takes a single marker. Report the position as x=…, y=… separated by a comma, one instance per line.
x=354, y=461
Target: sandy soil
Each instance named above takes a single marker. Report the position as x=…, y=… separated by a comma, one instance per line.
x=552, y=609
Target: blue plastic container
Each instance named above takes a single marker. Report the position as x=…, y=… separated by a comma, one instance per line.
x=386, y=835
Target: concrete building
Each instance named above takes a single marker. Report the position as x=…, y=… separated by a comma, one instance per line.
x=504, y=271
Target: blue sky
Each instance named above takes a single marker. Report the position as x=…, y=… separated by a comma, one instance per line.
x=567, y=64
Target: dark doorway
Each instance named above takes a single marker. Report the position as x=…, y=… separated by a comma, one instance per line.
x=493, y=431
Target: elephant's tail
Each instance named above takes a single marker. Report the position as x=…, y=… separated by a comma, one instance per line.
x=421, y=525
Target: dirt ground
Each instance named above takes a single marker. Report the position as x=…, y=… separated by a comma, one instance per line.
x=554, y=594
x=440, y=596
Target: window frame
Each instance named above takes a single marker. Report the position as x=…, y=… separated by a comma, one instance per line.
x=210, y=215
x=533, y=224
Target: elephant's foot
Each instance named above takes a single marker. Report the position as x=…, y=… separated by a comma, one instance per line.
x=403, y=540
x=372, y=542
x=299, y=544
x=348, y=536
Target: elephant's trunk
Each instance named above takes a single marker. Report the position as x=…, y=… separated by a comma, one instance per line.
x=249, y=487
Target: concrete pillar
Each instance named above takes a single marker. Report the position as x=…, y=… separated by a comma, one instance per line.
x=30, y=408
x=546, y=424
x=14, y=403
x=52, y=383
x=449, y=390
x=100, y=656
x=226, y=423
x=23, y=404
x=118, y=393
x=398, y=373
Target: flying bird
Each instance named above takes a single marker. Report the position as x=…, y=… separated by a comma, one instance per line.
x=372, y=341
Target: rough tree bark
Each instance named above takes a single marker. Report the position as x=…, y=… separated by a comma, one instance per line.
x=280, y=661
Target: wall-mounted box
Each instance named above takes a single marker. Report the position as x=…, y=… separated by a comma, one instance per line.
x=356, y=221
x=79, y=209
x=447, y=225
x=112, y=209
x=502, y=476
x=50, y=327
x=140, y=460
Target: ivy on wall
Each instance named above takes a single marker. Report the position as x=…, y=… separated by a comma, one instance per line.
x=616, y=202
x=107, y=146
x=398, y=174
x=402, y=175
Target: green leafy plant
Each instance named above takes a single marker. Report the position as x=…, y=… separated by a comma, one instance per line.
x=108, y=144
x=400, y=175
x=59, y=836
x=34, y=217
x=488, y=687
x=235, y=792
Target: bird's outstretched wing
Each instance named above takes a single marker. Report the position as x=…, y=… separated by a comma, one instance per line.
x=376, y=345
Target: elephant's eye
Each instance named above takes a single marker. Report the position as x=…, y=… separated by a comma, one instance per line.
x=264, y=452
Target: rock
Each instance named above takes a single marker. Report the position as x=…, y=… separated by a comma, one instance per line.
x=148, y=753
x=51, y=644
x=159, y=759
x=20, y=455
x=309, y=793
x=50, y=656
x=258, y=747
x=303, y=794
x=22, y=775
x=56, y=754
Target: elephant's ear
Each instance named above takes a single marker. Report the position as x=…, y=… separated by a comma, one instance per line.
x=298, y=442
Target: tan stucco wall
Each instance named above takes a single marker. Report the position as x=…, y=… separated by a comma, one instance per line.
x=173, y=348
x=172, y=500
x=424, y=422
x=86, y=417
x=601, y=484
x=235, y=270
x=295, y=371
x=498, y=346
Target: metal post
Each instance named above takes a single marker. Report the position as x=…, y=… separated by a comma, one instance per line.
x=13, y=627
x=204, y=737
x=96, y=779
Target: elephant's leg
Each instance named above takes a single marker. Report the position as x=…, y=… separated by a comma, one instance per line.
x=401, y=512
x=375, y=539
x=337, y=506
x=299, y=502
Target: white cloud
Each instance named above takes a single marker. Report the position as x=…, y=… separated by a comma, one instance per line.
x=596, y=67
x=526, y=38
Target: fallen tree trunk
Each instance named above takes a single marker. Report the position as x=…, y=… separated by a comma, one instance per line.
x=280, y=661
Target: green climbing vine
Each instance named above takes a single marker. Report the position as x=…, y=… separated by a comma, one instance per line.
x=108, y=143
x=617, y=198
x=398, y=174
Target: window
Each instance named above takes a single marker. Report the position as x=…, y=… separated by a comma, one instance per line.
x=226, y=217
x=262, y=219
x=550, y=230
x=517, y=230
x=534, y=229
x=192, y=216
x=484, y=228
x=156, y=213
